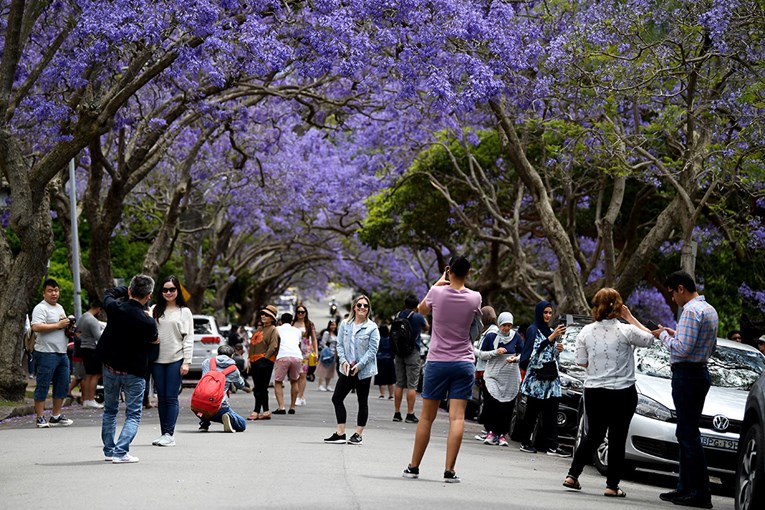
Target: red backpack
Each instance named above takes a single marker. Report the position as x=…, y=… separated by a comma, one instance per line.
x=209, y=392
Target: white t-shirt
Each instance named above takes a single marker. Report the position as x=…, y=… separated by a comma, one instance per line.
x=607, y=349
x=49, y=341
x=289, y=342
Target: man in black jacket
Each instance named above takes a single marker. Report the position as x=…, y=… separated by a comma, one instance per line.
x=124, y=350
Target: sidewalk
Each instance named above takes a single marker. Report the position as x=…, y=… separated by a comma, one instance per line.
x=28, y=406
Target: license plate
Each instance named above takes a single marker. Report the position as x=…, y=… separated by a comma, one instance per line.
x=715, y=442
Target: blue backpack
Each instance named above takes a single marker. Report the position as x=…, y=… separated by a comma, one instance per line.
x=327, y=356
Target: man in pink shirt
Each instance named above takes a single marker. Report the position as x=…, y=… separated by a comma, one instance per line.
x=450, y=366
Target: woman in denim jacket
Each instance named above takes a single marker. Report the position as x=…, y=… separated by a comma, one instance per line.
x=357, y=342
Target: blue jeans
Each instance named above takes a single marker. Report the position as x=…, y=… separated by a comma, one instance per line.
x=133, y=386
x=237, y=422
x=167, y=382
x=690, y=385
x=51, y=367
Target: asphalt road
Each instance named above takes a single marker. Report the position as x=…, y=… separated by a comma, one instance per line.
x=283, y=463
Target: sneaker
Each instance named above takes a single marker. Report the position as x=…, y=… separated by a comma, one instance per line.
x=108, y=459
x=322, y=388
x=411, y=472
x=300, y=402
x=528, y=448
x=451, y=477
x=491, y=439
x=355, y=439
x=558, y=452
x=397, y=417
x=92, y=404
x=503, y=441
x=227, y=423
x=336, y=438
x=41, y=423
x=203, y=428
x=330, y=388
x=125, y=459
x=481, y=436
x=165, y=440
x=59, y=421
x=411, y=418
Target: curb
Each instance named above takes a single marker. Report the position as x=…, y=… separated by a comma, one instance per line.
x=28, y=408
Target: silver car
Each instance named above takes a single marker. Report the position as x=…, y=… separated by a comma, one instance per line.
x=207, y=339
x=651, y=440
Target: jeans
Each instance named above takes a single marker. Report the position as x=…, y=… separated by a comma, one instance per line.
x=167, y=381
x=237, y=422
x=611, y=410
x=51, y=367
x=261, y=376
x=690, y=385
x=343, y=387
x=133, y=386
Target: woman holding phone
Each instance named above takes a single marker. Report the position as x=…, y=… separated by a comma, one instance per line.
x=605, y=348
x=357, y=342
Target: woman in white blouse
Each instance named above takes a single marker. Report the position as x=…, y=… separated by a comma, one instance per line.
x=606, y=349
x=176, y=346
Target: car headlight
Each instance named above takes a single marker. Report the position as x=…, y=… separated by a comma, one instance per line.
x=649, y=408
x=571, y=383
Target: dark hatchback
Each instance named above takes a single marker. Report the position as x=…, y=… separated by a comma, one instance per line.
x=750, y=474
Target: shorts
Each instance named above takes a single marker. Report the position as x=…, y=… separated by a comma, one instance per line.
x=287, y=368
x=408, y=370
x=448, y=379
x=91, y=361
x=51, y=367
x=78, y=369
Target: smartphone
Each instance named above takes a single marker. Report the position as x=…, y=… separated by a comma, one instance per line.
x=651, y=325
x=446, y=273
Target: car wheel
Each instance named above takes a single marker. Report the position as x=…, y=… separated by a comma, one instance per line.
x=750, y=475
x=601, y=457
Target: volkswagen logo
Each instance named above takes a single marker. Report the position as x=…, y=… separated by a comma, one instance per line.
x=720, y=423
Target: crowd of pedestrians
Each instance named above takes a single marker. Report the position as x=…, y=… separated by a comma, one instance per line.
x=468, y=343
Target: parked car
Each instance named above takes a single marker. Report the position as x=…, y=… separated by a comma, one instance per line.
x=750, y=475
x=651, y=441
x=207, y=339
x=572, y=386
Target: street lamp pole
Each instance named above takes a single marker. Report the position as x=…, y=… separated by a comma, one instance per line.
x=75, y=242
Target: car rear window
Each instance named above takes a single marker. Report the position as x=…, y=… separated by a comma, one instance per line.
x=202, y=326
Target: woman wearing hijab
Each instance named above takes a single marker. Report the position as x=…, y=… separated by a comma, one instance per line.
x=500, y=350
x=542, y=390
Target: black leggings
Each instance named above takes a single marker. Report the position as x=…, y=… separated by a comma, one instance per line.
x=261, y=376
x=612, y=410
x=549, y=409
x=497, y=414
x=343, y=387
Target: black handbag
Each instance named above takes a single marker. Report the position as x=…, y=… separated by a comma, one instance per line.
x=547, y=372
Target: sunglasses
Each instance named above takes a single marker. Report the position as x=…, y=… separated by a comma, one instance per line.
x=167, y=290
x=301, y=312
x=362, y=306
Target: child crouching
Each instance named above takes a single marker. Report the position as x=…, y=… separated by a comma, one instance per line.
x=231, y=421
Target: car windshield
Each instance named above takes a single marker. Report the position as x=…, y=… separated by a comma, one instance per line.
x=202, y=326
x=567, y=358
x=728, y=367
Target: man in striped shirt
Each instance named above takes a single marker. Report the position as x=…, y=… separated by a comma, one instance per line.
x=689, y=350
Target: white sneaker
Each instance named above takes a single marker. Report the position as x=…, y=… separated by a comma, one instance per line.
x=125, y=459
x=322, y=388
x=300, y=402
x=92, y=404
x=330, y=388
x=165, y=440
x=227, y=423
